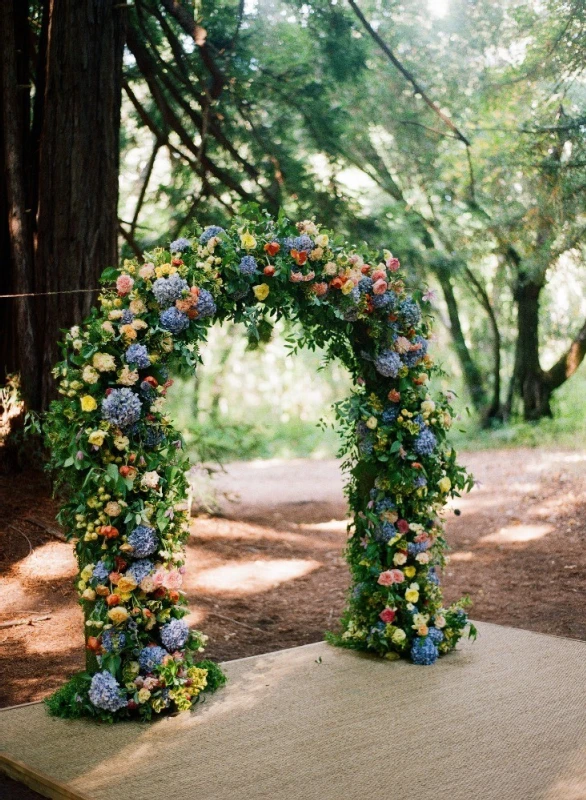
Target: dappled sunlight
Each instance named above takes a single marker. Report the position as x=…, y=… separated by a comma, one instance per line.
x=334, y=525
x=51, y=561
x=517, y=533
x=248, y=577
x=234, y=530
x=463, y=555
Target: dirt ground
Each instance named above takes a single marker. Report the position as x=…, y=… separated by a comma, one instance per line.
x=268, y=573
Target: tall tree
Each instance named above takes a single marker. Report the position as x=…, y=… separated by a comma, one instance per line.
x=61, y=90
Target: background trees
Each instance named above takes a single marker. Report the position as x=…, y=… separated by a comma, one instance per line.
x=453, y=130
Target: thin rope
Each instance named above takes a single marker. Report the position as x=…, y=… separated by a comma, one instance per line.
x=47, y=294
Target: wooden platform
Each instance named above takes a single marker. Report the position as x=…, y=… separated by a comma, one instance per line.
x=501, y=719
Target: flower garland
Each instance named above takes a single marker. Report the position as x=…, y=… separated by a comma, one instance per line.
x=122, y=465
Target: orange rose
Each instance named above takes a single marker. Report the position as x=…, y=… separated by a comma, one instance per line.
x=93, y=644
x=113, y=599
x=109, y=531
x=272, y=248
x=299, y=256
x=269, y=270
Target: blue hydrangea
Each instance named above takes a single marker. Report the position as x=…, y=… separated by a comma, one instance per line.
x=435, y=635
x=127, y=317
x=410, y=312
x=206, y=307
x=113, y=641
x=151, y=657
x=389, y=415
x=144, y=541
x=248, y=265
x=137, y=356
x=167, y=290
x=388, y=363
x=303, y=242
x=105, y=692
x=174, y=634
x=424, y=652
x=100, y=573
x=210, y=232
x=420, y=481
x=357, y=590
x=386, y=504
x=153, y=437
x=425, y=443
x=414, y=548
x=433, y=577
x=355, y=294
x=386, y=300
x=385, y=532
x=461, y=615
x=140, y=569
x=179, y=245
x=414, y=356
x=121, y=407
x=174, y=320
x=365, y=285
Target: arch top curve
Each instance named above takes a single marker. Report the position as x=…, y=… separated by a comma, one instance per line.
x=121, y=467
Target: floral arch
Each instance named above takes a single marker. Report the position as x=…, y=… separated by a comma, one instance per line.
x=121, y=466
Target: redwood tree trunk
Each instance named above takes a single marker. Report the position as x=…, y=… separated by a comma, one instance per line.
x=78, y=164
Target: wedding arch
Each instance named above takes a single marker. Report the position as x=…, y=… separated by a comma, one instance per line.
x=121, y=466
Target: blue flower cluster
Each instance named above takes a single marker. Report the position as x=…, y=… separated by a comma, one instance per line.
x=425, y=443
x=174, y=634
x=415, y=548
x=153, y=437
x=385, y=532
x=386, y=300
x=174, y=320
x=137, y=356
x=365, y=439
x=420, y=481
x=410, y=312
x=365, y=285
x=121, y=407
x=167, y=290
x=127, y=317
x=100, y=573
x=390, y=414
x=179, y=245
x=210, y=232
x=435, y=635
x=388, y=363
x=206, y=306
x=248, y=265
x=433, y=577
x=105, y=692
x=386, y=504
x=299, y=243
x=151, y=657
x=424, y=652
x=140, y=569
x=113, y=640
x=144, y=541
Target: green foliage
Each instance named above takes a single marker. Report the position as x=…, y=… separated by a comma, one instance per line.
x=70, y=701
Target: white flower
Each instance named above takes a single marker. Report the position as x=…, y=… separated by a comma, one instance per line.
x=322, y=240
x=331, y=268
x=399, y=558
x=89, y=374
x=127, y=376
x=423, y=558
x=150, y=480
x=74, y=332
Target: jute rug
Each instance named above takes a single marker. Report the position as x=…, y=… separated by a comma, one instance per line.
x=500, y=719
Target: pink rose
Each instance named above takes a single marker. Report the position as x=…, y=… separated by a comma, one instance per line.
x=124, y=284
x=379, y=286
x=388, y=615
x=393, y=264
x=159, y=577
x=319, y=289
x=402, y=526
x=173, y=580
x=296, y=277
x=379, y=275
x=391, y=576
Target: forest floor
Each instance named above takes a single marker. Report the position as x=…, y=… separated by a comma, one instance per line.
x=267, y=572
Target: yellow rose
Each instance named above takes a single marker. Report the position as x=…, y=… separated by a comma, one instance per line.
x=399, y=636
x=121, y=442
x=248, y=241
x=347, y=287
x=261, y=291
x=89, y=594
x=143, y=695
x=88, y=403
x=96, y=438
x=322, y=240
x=409, y=572
x=126, y=584
x=371, y=423
x=118, y=615
x=412, y=594
x=445, y=484
x=87, y=572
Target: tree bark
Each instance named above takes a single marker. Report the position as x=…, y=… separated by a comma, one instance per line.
x=529, y=378
x=78, y=164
